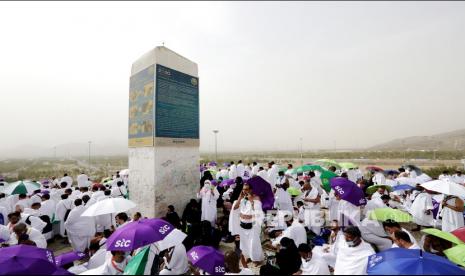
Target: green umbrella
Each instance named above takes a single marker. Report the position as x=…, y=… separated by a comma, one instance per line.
x=372, y=189
x=307, y=168
x=443, y=235
x=348, y=165
x=105, y=180
x=282, y=169
x=136, y=265
x=325, y=178
x=294, y=191
x=383, y=214
x=21, y=187
x=456, y=254
x=328, y=163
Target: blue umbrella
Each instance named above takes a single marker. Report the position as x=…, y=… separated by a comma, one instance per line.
x=400, y=261
x=388, y=172
x=402, y=187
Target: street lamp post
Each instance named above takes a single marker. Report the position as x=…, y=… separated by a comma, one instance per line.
x=216, y=144
x=90, y=142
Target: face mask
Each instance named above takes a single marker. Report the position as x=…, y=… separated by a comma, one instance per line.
x=352, y=243
x=207, y=186
x=434, y=251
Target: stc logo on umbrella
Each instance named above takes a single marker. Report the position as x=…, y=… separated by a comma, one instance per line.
x=164, y=229
x=123, y=243
x=219, y=269
x=194, y=256
x=339, y=190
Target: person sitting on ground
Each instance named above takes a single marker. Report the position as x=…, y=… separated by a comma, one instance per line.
x=116, y=264
x=136, y=217
x=231, y=264
x=27, y=235
x=402, y=240
x=121, y=219
x=391, y=226
x=352, y=256
x=172, y=217
x=311, y=266
x=288, y=258
x=175, y=261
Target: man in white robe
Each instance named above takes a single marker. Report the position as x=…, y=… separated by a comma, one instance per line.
x=379, y=178
x=82, y=180
x=232, y=171
x=240, y=169
x=445, y=176
x=402, y=240
x=33, y=235
x=311, y=200
x=176, y=263
x=311, y=265
x=451, y=213
x=374, y=233
x=116, y=264
x=391, y=227
x=283, y=200
x=62, y=207
x=458, y=178
x=422, y=210
x=352, y=257
x=294, y=231
x=209, y=195
x=68, y=179
x=251, y=219
x=375, y=203
x=255, y=168
x=328, y=252
x=80, y=230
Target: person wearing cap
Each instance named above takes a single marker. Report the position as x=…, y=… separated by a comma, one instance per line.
x=352, y=257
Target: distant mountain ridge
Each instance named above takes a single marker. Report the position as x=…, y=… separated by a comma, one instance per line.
x=447, y=141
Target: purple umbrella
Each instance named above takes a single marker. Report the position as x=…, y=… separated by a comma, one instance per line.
x=207, y=258
x=137, y=234
x=69, y=257
x=262, y=188
x=212, y=164
x=348, y=191
x=435, y=208
x=227, y=182
x=26, y=260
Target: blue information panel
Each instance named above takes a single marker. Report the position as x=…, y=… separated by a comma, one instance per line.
x=141, y=104
x=177, y=104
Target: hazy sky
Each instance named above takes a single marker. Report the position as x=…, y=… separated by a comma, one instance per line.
x=351, y=73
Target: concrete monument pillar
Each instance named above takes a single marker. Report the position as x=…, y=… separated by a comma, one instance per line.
x=163, y=132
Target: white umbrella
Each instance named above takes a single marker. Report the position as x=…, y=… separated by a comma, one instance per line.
x=445, y=187
x=172, y=239
x=124, y=172
x=109, y=206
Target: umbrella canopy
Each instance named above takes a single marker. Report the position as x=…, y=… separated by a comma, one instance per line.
x=373, y=188
x=400, y=261
x=68, y=258
x=137, y=234
x=124, y=172
x=374, y=168
x=325, y=177
x=208, y=259
x=456, y=254
x=445, y=187
x=383, y=214
x=227, y=182
x=26, y=260
x=412, y=181
x=459, y=233
x=262, y=188
x=328, y=163
x=307, y=168
x=293, y=191
x=109, y=206
x=282, y=169
x=212, y=164
x=413, y=168
x=174, y=238
x=402, y=187
x=391, y=172
x=348, y=165
x=443, y=235
x=106, y=179
x=21, y=187
x=348, y=191
x=136, y=265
